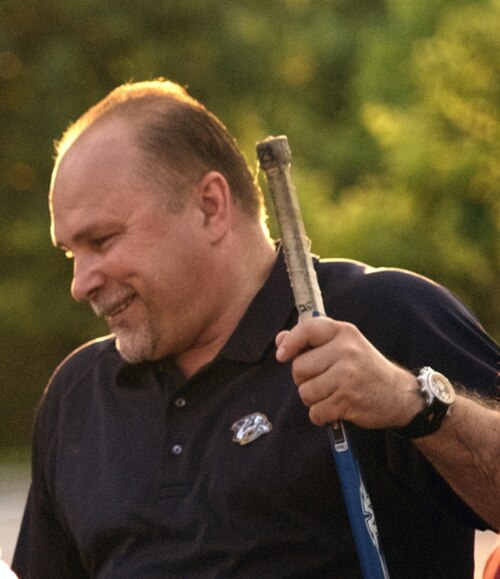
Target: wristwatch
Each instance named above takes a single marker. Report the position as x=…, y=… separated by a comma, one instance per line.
x=439, y=397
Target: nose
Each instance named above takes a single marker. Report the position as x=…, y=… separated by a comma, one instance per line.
x=87, y=277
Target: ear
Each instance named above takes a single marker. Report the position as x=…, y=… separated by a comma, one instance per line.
x=214, y=200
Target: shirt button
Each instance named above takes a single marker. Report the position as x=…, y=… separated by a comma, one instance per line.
x=177, y=449
x=180, y=402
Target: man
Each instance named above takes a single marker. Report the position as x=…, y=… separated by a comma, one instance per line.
x=179, y=446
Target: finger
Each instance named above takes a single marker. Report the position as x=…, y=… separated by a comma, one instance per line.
x=328, y=410
x=317, y=389
x=305, y=335
x=280, y=352
x=320, y=416
x=313, y=365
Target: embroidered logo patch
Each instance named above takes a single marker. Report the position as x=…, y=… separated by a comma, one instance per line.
x=250, y=427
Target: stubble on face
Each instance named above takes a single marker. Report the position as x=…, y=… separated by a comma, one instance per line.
x=135, y=341
x=141, y=295
x=135, y=344
x=131, y=316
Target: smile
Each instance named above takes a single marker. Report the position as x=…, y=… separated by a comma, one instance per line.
x=120, y=308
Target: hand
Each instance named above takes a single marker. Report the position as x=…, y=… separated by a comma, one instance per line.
x=341, y=376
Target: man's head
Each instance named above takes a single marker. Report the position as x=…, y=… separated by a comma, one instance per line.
x=179, y=138
x=155, y=205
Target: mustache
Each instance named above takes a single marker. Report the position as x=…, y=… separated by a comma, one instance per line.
x=107, y=305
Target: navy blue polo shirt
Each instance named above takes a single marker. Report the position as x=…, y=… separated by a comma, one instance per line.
x=137, y=473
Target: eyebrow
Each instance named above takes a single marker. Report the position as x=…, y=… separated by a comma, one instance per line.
x=83, y=234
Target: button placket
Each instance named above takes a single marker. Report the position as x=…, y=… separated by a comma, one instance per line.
x=178, y=449
x=180, y=402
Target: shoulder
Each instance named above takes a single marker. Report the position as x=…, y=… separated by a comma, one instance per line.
x=84, y=360
x=412, y=320
x=389, y=289
x=70, y=389
x=78, y=373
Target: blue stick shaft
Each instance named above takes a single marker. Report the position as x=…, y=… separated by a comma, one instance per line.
x=275, y=157
x=358, y=505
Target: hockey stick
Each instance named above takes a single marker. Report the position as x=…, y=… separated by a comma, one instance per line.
x=274, y=158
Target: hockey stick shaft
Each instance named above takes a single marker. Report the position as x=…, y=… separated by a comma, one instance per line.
x=275, y=160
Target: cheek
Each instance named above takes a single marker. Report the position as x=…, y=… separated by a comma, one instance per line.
x=168, y=274
x=169, y=284
x=135, y=264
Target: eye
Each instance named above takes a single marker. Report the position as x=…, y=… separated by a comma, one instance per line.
x=98, y=243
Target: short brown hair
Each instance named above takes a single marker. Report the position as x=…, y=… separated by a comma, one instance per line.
x=181, y=139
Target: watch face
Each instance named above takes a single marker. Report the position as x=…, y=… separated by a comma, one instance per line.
x=441, y=388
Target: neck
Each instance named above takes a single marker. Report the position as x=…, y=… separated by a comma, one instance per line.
x=239, y=280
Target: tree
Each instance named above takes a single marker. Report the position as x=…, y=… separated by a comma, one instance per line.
x=389, y=157
x=434, y=205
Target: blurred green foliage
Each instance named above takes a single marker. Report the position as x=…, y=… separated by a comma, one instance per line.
x=391, y=108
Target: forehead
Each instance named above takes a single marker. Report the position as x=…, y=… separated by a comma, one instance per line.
x=99, y=176
x=107, y=144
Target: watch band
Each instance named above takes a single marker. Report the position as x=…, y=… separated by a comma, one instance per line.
x=428, y=420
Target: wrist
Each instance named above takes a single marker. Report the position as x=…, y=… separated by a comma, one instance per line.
x=411, y=402
x=437, y=396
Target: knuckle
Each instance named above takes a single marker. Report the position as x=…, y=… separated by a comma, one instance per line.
x=349, y=327
x=298, y=374
x=347, y=373
x=305, y=395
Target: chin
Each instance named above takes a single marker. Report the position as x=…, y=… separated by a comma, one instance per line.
x=134, y=349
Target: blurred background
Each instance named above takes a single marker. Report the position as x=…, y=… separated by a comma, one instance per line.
x=391, y=107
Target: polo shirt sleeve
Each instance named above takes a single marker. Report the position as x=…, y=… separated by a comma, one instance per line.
x=44, y=550
x=414, y=322
x=44, y=547
x=417, y=322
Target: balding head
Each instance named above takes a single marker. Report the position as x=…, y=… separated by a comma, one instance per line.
x=179, y=138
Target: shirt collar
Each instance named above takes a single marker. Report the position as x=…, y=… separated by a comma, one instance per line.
x=271, y=310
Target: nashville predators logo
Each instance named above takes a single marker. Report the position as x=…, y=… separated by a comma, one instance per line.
x=250, y=427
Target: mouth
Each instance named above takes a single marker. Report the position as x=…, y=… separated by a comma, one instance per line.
x=112, y=310
x=118, y=309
